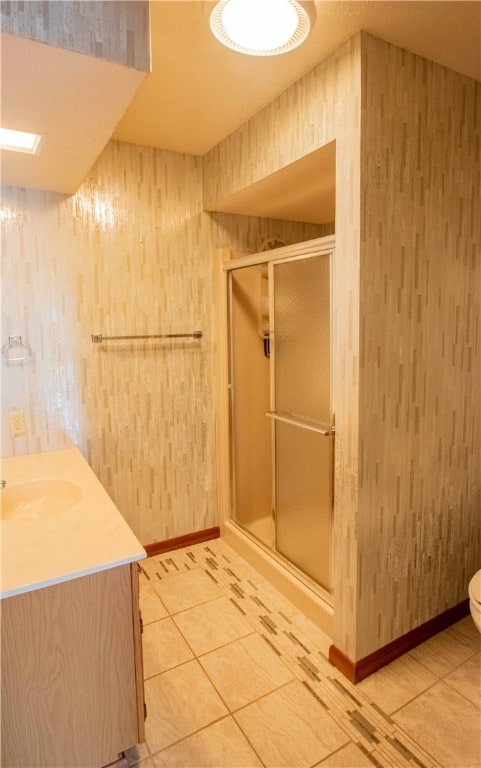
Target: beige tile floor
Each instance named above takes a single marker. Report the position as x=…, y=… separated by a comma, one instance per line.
x=236, y=677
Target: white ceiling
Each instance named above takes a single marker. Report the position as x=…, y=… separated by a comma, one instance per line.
x=305, y=190
x=73, y=101
x=199, y=91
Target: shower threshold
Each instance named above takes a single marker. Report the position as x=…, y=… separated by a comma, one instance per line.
x=296, y=587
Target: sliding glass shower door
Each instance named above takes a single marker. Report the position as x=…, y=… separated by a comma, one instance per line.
x=282, y=442
x=301, y=416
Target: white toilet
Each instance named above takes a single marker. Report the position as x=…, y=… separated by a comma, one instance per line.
x=474, y=591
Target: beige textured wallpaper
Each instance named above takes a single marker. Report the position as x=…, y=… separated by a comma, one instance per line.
x=406, y=346
x=116, y=30
x=129, y=253
x=419, y=417
x=322, y=106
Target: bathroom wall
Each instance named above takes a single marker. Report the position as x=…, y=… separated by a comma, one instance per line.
x=130, y=253
x=114, y=30
x=419, y=416
x=406, y=344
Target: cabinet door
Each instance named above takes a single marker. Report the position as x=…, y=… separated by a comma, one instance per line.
x=68, y=673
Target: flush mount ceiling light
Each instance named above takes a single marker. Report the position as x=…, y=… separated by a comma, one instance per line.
x=19, y=141
x=260, y=27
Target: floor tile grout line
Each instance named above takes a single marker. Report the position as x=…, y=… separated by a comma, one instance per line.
x=416, y=696
x=255, y=631
x=340, y=719
x=444, y=674
x=253, y=618
x=454, y=631
x=422, y=693
x=178, y=613
x=157, y=597
x=362, y=697
x=350, y=733
x=265, y=695
x=170, y=669
x=295, y=662
x=153, y=621
x=457, y=666
x=194, y=733
x=249, y=741
x=470, y=624
x=405, y=735
x=384, y=728
x=204, y=602
x=460, y=693
x=252, y=701
x=217, y=648
x=423, y=664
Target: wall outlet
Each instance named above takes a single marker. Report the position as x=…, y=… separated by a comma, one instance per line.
x=17, y=423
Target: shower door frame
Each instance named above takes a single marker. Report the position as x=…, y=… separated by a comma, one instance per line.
x=226, y=263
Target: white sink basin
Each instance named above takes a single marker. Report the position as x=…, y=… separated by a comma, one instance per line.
x=37, y=498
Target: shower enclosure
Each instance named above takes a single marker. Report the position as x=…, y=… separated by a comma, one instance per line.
x=281, y=417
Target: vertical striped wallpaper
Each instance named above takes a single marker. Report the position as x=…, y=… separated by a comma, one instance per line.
x=406, y=347
x=129, y=253
x=419, y=418
x=116, y=30
x=322, y=106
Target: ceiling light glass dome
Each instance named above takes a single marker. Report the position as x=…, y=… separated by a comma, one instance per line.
x=260, y=27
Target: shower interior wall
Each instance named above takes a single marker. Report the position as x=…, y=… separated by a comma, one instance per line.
x=251, y=430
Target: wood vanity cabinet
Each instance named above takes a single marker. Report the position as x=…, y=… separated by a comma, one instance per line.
x=72, y=682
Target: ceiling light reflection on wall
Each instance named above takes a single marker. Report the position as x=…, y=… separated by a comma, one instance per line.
x=19, y=141
x=260, y=27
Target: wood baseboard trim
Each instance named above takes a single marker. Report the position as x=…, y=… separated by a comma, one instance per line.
x=196, y=537
x=355, y=671
x=343, y=663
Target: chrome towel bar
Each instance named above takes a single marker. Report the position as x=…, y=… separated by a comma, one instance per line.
x=97, y=338
x=326, y=431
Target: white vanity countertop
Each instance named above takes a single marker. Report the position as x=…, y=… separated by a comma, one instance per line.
x=57, y=546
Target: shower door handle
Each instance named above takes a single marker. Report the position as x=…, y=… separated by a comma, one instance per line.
x=326, y=431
